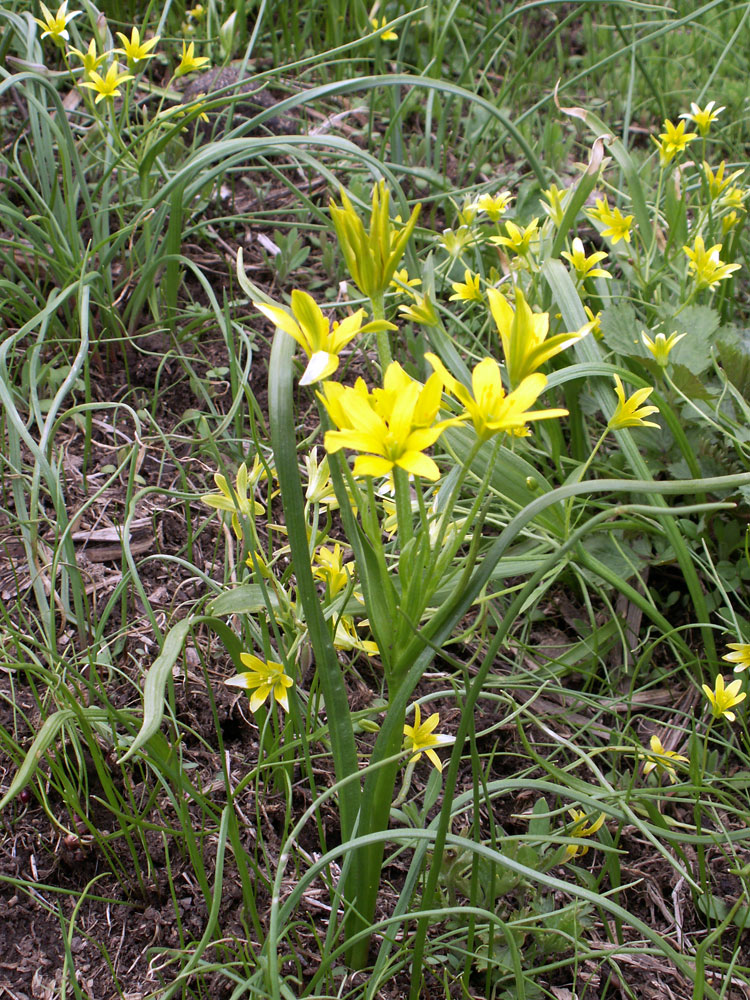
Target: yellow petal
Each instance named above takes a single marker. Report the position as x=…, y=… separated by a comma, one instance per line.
x=419, y=464
x=372, y=465
x=319, y=367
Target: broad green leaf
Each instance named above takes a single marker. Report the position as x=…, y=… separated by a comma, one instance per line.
x=692, y=386
x=625, y=557
x=693, y=352
x=733, y=348
x=621, y=330
x=246, y=599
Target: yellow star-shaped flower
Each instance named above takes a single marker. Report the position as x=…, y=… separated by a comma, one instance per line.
x=421, y=738
x=524, y=335
x=706, y=266
x=723, y=698
x=134, y=49
x=489, y=407
x=740, y=655
x=107, y=87
x=321, y=341
x=55, y=25
x=631, y=412
x=581, y=828
x=189, y=62
x=659, y=760
x=263, y=678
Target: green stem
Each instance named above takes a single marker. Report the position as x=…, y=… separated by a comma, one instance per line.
x=384, y=345
x=655, y=227
x=403, y=506
x=580, y=473
x=405, y=784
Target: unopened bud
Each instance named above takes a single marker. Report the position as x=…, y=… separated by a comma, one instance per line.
x=226, y=35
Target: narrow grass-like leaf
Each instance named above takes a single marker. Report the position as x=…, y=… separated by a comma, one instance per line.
x=42, y=742
x=283, y=440
x=588, y=350
x=156, y=682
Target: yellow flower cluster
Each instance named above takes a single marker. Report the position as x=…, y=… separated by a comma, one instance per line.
x=136, y=51
x=390, y=427
x=616, y=225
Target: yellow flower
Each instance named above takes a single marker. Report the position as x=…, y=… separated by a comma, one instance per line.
x=494, y=204
x=630, y=412
x=467, y=213
x=189, y=61
x=706, y=266
x=723, y=698
x=703, y=118
x=717, y=182
x=91, y=61
x=134, y=49
x=329, y=567
x=371, y=257
x=107, y=87
x=455, y=241
x=554, y=202
x=469, y=290
x=389, y=35
x=238, y=502
x=319, y=486
x=396, y=382
x=194, y=109
x=740, y=655
x=674, y=138
x=263, y=679
x=55, y=25
x=402, y=282
x=616, y=225
x=518, y=240
x=585, y=267
x=595, y=322
x=347, y=638
x=734, y=197
x=729, y=222
x=659, y=759
x=661, y=346
x=488, y=406
x=390, y=429
x=523, y=334
x=421, y=310
x=321, y=341
x=581, y=828
x=421, y=739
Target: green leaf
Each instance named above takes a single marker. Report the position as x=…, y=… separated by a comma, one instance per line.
x=539, y=822
x=688, y=383
x=42, y=742
x=156, y=682
x=693, y=352
x=247, y=599
x=625, y=558
x=621, y=330
x=512, y=477
x=283, y=440
x=733, y=348
x=717, y=910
